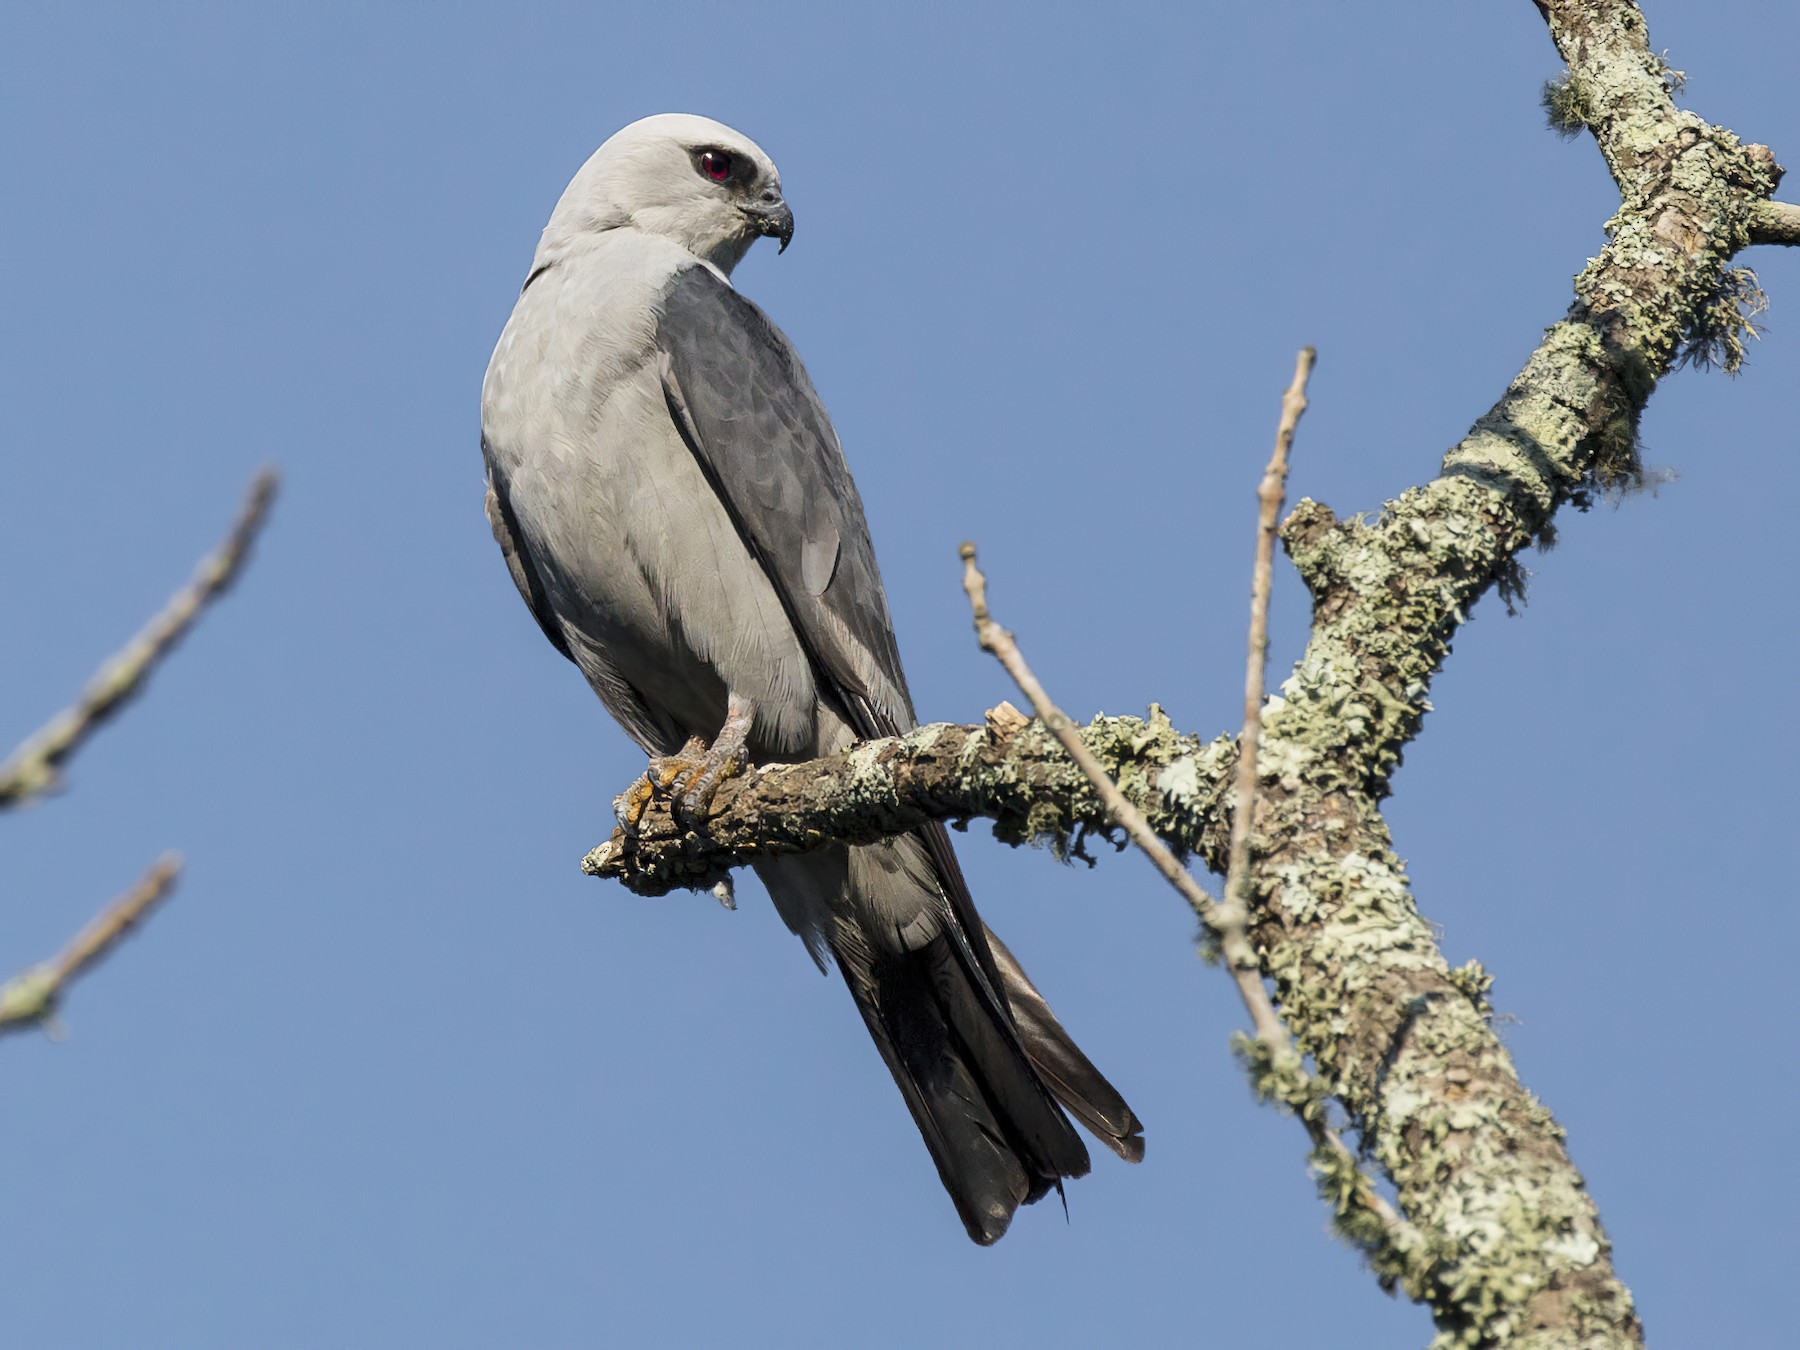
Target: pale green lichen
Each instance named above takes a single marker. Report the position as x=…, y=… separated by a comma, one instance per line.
x=1278, y=1074
x=1476, y=984
x=1721, y=327
x=1675, y=81
x=29, y=996
x=1568, y=110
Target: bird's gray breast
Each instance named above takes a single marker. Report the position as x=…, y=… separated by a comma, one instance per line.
x=641, y=564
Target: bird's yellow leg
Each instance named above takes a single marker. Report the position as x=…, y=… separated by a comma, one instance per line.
x=692, y=774
x=697, y=782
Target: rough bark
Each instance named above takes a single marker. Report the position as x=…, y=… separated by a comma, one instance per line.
x=1504, y=1243
x=1011, y=772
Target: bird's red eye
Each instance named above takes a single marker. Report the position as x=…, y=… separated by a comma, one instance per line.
x=716, y=165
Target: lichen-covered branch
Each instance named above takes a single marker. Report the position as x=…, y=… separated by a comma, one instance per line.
x=31, y=770
x=1512, y=1251
x=1011, y=771
x=1478, y=1163
x=1775, y=223
x=31, y=996
x=1118, y=810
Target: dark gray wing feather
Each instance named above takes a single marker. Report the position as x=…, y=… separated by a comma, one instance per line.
x=743, y=403
x=992, y=1129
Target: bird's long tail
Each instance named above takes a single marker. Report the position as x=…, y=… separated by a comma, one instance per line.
x=975, y=1051
x=996, y=1135
x=977, y=1054
x=1069, y=1074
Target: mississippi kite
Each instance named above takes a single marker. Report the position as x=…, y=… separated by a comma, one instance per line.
x=675, y=509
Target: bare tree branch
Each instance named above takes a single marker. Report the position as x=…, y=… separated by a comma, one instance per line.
x=998, y=642
x=32, y=769
x=1230, y=921
x=31, y=996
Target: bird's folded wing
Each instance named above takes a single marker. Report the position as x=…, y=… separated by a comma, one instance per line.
x=747, y=410
x=743, y=403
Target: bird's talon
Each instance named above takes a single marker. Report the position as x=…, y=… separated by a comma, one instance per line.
x=697, y=792
x=665, y=771
x=629, y=805
x=660, y=775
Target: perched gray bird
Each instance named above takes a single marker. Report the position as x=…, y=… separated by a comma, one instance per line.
x=675, y=509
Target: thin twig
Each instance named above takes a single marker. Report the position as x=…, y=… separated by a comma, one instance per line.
x=32, y=769
x=1230, y=919
x=995, y=639
x=1230, y=922
x=32, y=995
x=1232, y=935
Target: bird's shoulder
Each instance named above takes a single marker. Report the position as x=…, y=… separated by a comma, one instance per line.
x=584, y=325
x=703, y=318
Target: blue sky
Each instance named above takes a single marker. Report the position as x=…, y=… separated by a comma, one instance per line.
x=390, y=1070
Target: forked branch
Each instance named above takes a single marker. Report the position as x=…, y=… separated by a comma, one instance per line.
x=1512, y=1251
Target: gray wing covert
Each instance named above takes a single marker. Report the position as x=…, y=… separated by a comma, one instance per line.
x=744, y=405
x=749, y=414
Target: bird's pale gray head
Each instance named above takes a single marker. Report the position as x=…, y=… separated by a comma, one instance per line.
x=689, y=179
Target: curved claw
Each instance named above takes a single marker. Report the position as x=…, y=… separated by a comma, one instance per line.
x=693, y=774
x=659, y=776
x=629, y=805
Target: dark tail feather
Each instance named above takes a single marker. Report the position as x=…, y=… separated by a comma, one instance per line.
x=1071, y=1076
x=1078, y=1085
x=997, y=1138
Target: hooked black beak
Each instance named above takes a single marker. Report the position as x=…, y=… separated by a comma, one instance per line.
x=772, y=218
